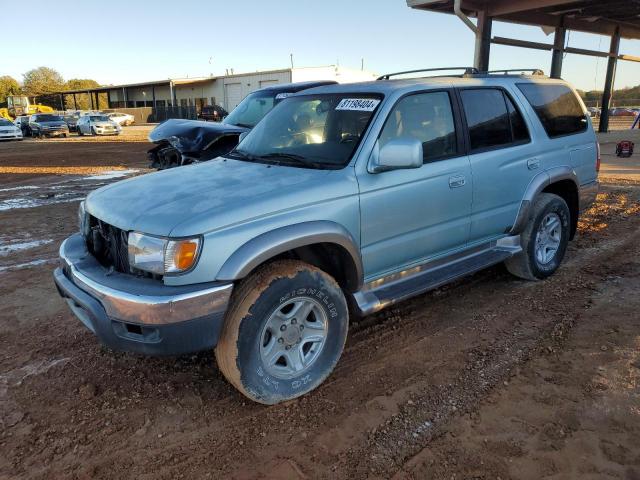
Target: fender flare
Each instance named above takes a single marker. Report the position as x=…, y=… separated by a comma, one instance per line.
x=535, y=187
x=270, y=244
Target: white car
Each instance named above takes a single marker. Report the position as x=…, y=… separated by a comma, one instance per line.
x=8, y=130
x=121, y=118
x=97, y=125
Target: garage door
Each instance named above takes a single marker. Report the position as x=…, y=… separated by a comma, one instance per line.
x=266, y=83
x=233, y=95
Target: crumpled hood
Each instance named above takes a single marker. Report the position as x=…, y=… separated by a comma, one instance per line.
x=191, y=135
x=199, y=198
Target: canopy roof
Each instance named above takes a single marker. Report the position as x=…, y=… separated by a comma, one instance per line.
x=592, y=16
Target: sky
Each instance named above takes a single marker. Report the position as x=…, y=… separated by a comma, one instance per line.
x=136, y=41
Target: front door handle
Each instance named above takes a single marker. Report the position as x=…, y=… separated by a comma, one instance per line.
x=457, y=181
x=533, y=163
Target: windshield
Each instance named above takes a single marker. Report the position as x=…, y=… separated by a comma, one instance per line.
x=251, y=110
x=48, y=118
x=318, y=131
x=99, y=118
x=5, y=123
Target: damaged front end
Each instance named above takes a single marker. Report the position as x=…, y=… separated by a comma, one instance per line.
x=181, y=142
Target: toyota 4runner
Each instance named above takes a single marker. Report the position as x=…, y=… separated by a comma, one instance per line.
x=343, y=200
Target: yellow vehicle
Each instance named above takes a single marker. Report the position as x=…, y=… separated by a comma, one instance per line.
x=20, y=105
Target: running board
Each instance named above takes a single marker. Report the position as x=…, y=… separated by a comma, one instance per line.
x=400, y=286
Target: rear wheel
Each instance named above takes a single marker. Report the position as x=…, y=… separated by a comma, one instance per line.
x=284, y=332
x=544, y=240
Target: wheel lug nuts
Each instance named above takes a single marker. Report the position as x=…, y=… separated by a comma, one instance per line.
x=301, y=327
x=294, y=321
x=281, y=340
x=283, y=328
x=288, y=347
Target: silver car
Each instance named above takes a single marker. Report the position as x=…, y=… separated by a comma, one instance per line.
x=97, y=125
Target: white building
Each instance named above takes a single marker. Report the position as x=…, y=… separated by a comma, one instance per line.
x=227, y=90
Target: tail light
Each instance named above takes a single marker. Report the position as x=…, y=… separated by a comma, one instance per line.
x=597, y=157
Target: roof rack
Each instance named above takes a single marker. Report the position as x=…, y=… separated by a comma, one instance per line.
x=534, y=71
x=467, y=71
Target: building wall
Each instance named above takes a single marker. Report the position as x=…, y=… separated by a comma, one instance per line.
x=236, y=87
x=331, y=72
x=229, y=90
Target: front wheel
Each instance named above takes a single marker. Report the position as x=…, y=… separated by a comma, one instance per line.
x=284, y=332
x=544, y=240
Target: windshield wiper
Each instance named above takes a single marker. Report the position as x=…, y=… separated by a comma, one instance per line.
x=242, y=155
x=243, y=125
x=292, y=156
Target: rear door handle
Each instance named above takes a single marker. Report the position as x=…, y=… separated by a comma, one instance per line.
x=457, y=181
x=533, y=163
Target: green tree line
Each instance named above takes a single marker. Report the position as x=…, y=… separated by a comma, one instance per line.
x=42, y=82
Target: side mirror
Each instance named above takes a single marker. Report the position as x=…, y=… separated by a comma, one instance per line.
x=242, y=136
x=396, y=154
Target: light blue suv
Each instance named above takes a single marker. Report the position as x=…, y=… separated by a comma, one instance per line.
x=343, y=200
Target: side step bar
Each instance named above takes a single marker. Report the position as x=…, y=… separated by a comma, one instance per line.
x=395, y=288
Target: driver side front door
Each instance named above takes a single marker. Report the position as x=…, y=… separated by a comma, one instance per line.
x=410, y=216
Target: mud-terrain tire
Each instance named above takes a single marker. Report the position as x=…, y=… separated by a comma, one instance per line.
x=544, y=240
x=284, y=331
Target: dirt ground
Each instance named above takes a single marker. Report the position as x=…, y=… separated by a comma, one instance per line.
x=488, y=378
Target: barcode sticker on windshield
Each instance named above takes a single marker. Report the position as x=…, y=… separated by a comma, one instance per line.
x=358, y=104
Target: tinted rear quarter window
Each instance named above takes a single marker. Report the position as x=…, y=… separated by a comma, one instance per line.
x=557, y=108
x=487, y=118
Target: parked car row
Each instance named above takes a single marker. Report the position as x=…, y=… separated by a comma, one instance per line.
x=615, y=112
x=51, y=125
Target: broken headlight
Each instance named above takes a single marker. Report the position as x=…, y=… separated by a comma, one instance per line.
x=162, y=255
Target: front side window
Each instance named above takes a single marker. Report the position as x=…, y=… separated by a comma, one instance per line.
x=251, y=110
x=557, y=108
x=487, y=118
x=426, y=117
x=315, y=131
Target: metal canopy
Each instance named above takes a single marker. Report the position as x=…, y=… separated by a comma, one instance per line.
x=591, y=16
x=614, y=18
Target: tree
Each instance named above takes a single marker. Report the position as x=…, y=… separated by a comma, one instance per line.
x=41, y=81
x=83, y=102
x=8, y=86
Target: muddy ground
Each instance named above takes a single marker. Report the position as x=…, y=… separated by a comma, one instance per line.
x=490, y=377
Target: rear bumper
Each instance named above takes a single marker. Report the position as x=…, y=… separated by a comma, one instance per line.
x=588, y=193
x=137, y=314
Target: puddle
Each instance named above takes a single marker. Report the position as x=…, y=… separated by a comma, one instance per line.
x=20, y=266
x=16, y=203
x=6, y=249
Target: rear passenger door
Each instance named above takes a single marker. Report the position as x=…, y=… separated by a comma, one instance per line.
x=408, y=216
x=502, y=158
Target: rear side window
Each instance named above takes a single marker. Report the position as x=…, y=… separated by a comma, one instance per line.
x=487, y=118
x=557, y=108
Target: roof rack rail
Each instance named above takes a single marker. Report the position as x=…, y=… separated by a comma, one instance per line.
x=467, y=70
x=534, y=71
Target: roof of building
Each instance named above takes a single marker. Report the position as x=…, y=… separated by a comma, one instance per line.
x=592, y=16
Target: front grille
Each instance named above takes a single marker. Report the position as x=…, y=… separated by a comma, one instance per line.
x=109, y=245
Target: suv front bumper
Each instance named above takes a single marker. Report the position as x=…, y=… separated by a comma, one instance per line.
x=138, y=314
